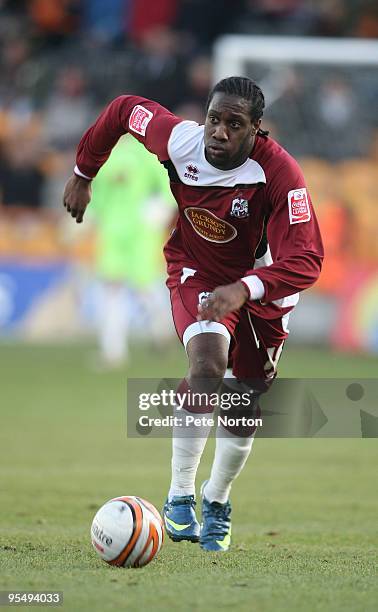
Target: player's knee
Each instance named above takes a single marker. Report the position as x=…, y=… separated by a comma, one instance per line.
x=208, y=355
x=208, y=367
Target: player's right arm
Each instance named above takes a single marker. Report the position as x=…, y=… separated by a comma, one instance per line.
x=144, y=119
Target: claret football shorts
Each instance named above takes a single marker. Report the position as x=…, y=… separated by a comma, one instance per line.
x=255, y=343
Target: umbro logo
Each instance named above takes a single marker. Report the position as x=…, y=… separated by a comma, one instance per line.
x=191, y=172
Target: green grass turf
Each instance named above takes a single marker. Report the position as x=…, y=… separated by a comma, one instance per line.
x=304, y=520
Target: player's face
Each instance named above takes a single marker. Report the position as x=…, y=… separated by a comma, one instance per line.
x=229, y=131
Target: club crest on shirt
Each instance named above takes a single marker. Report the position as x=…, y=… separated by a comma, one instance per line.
x=239, y=208
x=204, y=295
x=299, y=208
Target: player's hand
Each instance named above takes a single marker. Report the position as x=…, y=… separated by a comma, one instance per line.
x=76, y=197
x=222, y=301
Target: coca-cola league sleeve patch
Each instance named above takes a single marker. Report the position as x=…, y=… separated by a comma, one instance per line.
x=299, y=208
x=139, y=119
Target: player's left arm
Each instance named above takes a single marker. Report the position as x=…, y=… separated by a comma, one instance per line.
x=144, y=119
x=293, y=236
x=295, y=244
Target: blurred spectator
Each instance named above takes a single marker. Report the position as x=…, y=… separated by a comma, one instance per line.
x=66, y=113
x=105, y=22
x=337, y=104
x=337, y=223
x=54, y=19
x=202, y=21
x=199, y=80
x=146, y=16
x=158, y=67
x=68, y=109
x=335, y=112
x=16, y=99
x=21, y=177
x=288, y=110
x=367, y=21
x=17, y=7
x=279, y=17
x=198, y=84
x=130, y=205
x=332, y=18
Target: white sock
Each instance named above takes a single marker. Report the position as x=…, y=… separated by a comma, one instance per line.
x=187, y=448
x=231, y=454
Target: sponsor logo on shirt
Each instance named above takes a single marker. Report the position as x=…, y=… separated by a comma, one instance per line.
x=239, y=208
x=209, y=226
x=139, y=119
x=191, y=172
x=299, y=208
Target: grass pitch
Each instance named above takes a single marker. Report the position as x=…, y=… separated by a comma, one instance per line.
x=304, y=520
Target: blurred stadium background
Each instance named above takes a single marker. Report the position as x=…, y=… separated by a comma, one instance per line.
x=61, y=61
x=62, y=435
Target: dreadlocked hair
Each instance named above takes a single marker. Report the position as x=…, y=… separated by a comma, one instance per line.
x=244, y=88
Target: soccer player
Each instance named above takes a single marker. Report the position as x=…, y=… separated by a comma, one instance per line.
x=246, y=242
x=131, y=190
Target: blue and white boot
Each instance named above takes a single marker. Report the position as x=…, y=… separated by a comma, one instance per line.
x=180, y=518
x=216, y=524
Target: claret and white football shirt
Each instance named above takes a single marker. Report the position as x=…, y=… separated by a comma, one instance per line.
x=254, y=222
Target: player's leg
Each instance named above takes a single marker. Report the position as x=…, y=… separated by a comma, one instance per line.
x=207, y=354
x=232, y=449
x=207, y=346
x=258, y=347
x=233, y=444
